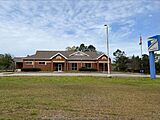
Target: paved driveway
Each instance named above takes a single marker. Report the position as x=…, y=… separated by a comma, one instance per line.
x=74, y=74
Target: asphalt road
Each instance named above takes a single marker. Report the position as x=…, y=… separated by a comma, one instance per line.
x=73, y=74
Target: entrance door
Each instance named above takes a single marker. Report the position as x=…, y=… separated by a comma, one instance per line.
x=59, y=67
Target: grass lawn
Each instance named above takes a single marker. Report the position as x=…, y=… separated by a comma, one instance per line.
x=79, y=98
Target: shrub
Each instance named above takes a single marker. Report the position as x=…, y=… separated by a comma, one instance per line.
x=30, y=69
x=87, y=69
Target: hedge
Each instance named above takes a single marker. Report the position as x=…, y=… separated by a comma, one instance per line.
x=87, y=69
x=30, y=69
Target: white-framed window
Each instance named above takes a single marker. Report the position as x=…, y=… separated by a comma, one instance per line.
x=74, y=66
x=88, y=65
x=41, y=63
x=29, y=63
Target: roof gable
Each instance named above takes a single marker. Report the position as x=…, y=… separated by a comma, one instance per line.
x=69, y=55
x=58, y=54
x=78, y=53
x=101, y=56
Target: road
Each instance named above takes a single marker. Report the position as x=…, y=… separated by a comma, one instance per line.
x=7, y=74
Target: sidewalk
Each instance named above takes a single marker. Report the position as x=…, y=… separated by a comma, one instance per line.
x=73, y=74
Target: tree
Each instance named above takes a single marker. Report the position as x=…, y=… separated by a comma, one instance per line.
x=156, y=56
x=91, y=48
x=6, y=62
x=120, y=60
x=134, y=64
x=73, y=48
x=145, y=63
x=157, y=62
x=82, y=48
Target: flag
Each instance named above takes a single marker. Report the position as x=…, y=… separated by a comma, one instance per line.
x=140, y=42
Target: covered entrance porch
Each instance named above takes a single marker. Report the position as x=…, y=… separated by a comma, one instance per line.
x=103, y=66
x=59, y=67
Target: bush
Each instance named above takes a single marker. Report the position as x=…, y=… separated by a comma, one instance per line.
x=30, y=69
x=87, y=69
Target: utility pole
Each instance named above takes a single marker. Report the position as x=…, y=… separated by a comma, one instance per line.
x=106, y=28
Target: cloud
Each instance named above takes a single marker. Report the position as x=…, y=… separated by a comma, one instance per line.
x=26, y=26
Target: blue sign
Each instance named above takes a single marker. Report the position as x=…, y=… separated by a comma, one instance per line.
x=153, y=45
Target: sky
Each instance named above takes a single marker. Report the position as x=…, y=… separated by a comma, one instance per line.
x=30, y=25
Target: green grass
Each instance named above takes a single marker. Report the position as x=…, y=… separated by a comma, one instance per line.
x=79, y=98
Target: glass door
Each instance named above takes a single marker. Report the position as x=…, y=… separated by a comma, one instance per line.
x=59, y=67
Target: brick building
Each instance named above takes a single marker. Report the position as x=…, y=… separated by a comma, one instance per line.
x=63, y=61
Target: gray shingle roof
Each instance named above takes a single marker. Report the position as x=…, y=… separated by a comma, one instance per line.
x=70, y=55
x=18, y=59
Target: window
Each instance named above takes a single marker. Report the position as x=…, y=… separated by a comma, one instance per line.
x=74, y=66
x=28, y=63
x=41, y=63
x=88, y=65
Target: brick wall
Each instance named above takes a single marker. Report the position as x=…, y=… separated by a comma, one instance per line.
x=50, y=66
x=46, y=67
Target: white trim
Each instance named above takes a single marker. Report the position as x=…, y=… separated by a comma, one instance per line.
x=103, y=61
x=26, y=62
x=42, y=64
x=60, y=67
x=43, y=61
x=82, y=62
x=58, y=54
x=58, y=61
x=74, y=66
x=79, y=52
x=36, y=58
x=88, y=63
x=101, y=56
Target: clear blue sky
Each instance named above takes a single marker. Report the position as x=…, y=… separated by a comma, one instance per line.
x=30, y=25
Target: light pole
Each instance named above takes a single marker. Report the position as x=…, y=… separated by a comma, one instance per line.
x=106, y=28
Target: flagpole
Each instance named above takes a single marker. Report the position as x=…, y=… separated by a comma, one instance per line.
x=141, y=53
x=141, y=50
x=141, y=59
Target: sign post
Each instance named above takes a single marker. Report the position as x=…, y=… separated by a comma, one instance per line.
x=153, y=45
x=152, y=65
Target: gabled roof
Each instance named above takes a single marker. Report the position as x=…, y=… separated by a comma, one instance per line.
x=101, y=56
x=48, y=54
x=58, y=54
x=18, y=59
x=79, y=53
x=69, y=55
